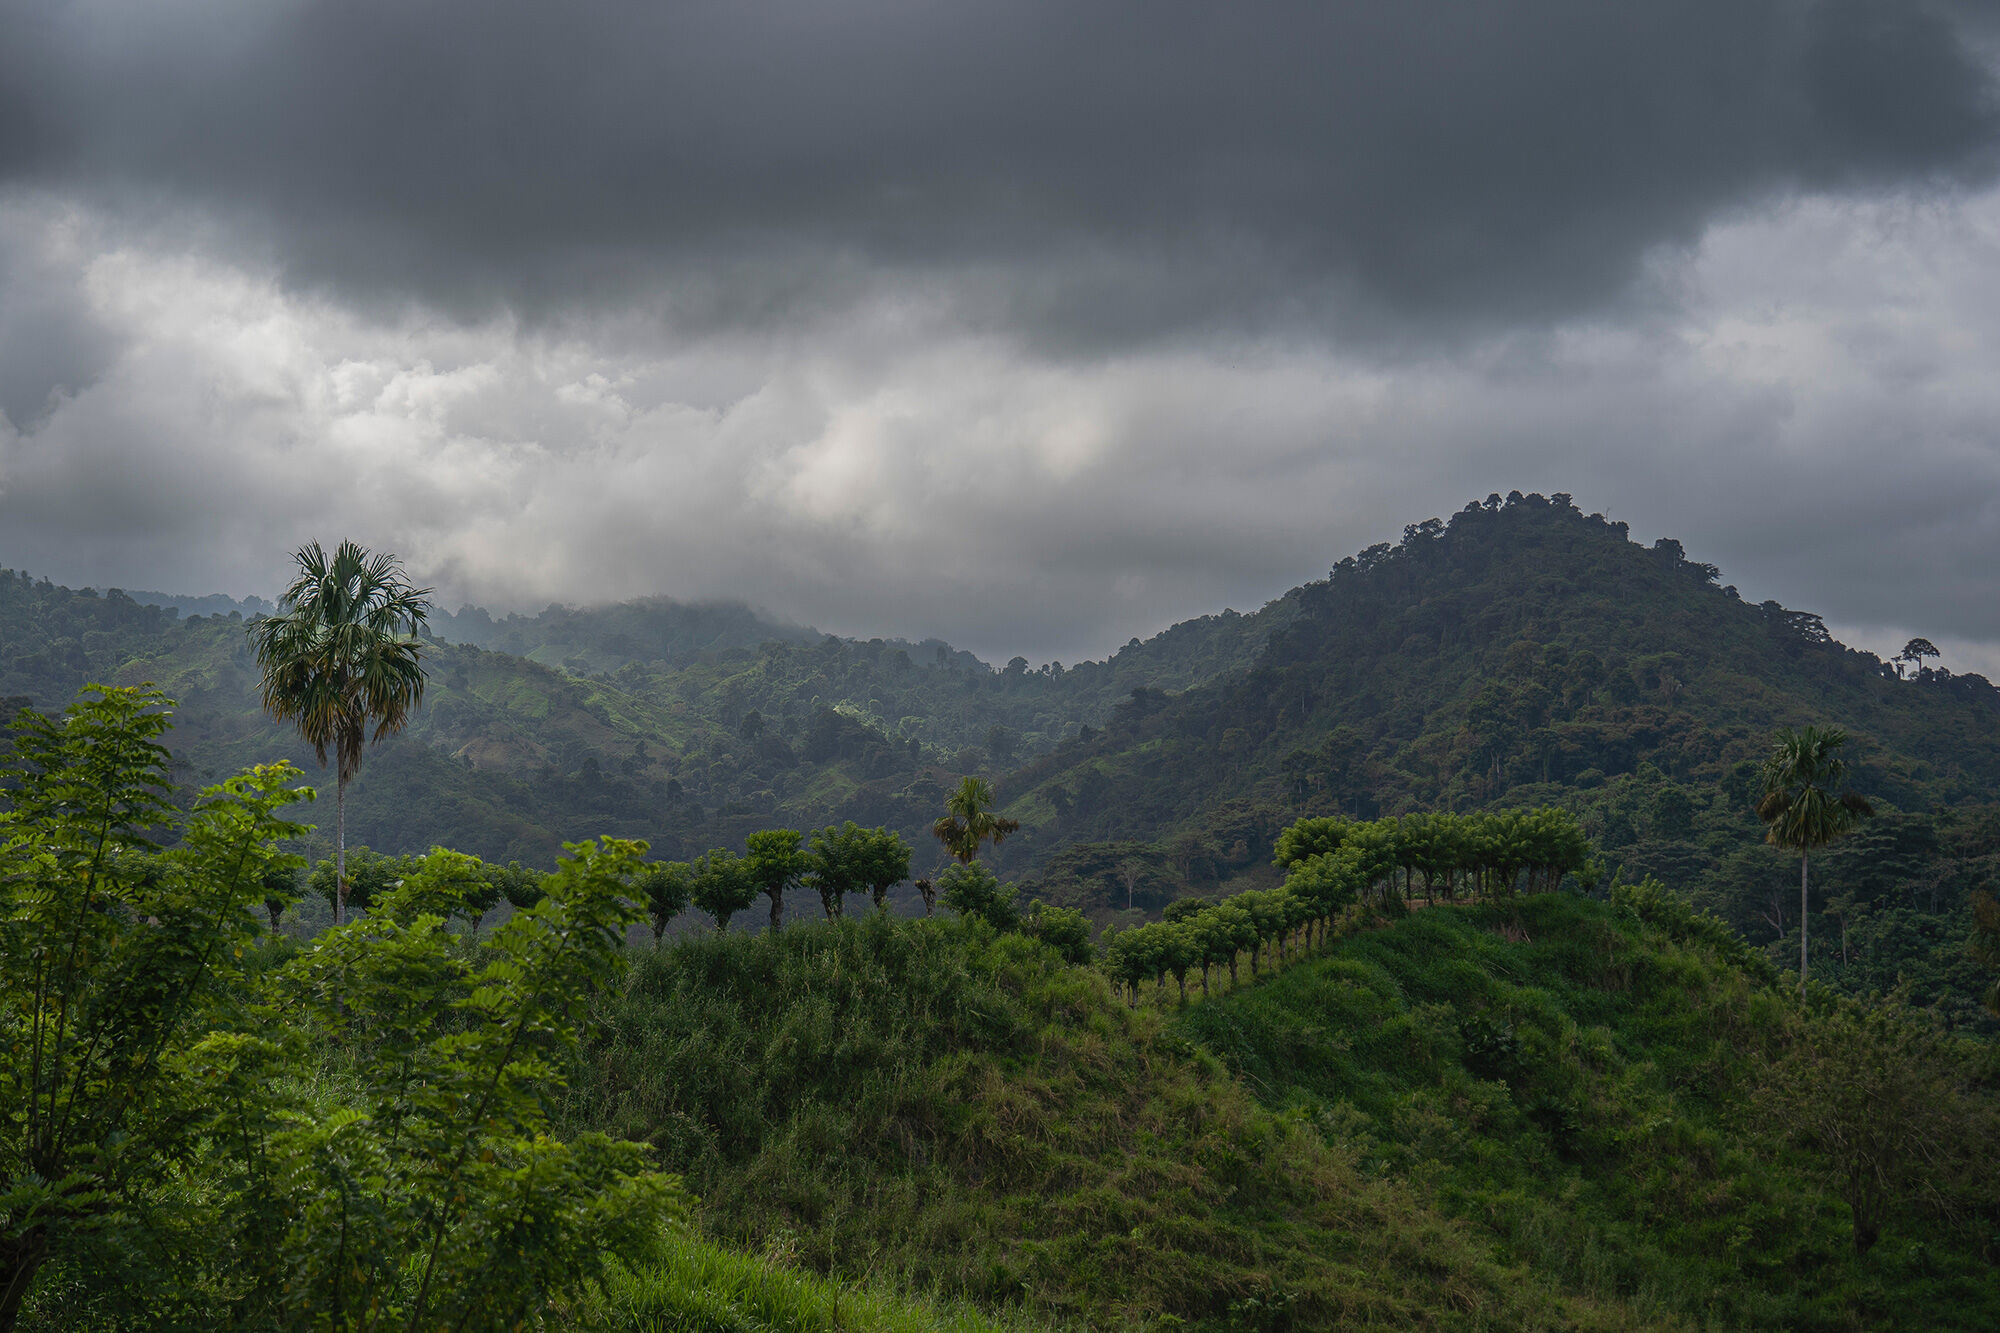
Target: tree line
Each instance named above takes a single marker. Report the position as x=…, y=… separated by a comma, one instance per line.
x=1333, y=863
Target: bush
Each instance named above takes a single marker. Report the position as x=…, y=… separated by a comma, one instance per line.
x=199, y=1130
x=1064, y=929
x=971, y=890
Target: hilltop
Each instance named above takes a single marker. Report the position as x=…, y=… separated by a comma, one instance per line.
x=1521, y=646
x=1526, y=654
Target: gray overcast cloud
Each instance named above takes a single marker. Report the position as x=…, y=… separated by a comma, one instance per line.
x=1033, y=325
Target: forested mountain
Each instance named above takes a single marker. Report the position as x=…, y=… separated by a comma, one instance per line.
x=686, y=736
x=204, y=604
x=1521, y=654
x=1521, y=647
x=598, y=639
x=1525, y=654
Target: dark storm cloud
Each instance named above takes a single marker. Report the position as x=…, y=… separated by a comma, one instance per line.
x=1096, y=170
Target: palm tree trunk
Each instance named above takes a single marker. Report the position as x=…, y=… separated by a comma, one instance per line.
x=1802, y=923
x=340, y=850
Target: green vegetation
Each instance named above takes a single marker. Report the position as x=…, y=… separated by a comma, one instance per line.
x=689, y=727
x=1620, y=1096
x=1333, y=865
x=682, y=1284
x=969, y=823
x=933, y=1103
x=1422, y=1082
x=1801, y=808
x=1532, y=1111
x=342, y=653
x=1525, y=654
x=201, y=1130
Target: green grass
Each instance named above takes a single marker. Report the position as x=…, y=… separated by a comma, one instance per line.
x=1580, y=1085
x=923, y=1104
x=689, y=1285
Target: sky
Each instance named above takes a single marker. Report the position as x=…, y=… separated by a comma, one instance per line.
x=1034, y=326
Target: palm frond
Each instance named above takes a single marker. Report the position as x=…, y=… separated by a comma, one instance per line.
x=342, y=652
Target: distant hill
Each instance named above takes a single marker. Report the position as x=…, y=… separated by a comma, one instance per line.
x=1525, y=653
x=652, y=630
x=207, y=604
x=684, y=725
x=1522, y=653
x=1521, y=648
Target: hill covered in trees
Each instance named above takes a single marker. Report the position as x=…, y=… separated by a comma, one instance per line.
x=1539, y=1109
x=1526, y=654
x=687, y=726
x=1521, y=654
x=1519, y=648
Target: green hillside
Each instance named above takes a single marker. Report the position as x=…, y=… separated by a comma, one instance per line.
x=1547, y=1112
x=1525, y=654
x=923, y=1101
x=686, y=737
x=1609, y=1092
x=1540, y=1110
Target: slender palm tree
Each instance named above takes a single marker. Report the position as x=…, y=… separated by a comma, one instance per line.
x=1800, y=806
x=969, y=821
x=342, y=652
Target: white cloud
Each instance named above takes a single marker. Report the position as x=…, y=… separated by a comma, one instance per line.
x=1809, y=404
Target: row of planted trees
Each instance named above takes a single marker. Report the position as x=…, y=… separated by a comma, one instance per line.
x=1332, y=864
x=834, y=862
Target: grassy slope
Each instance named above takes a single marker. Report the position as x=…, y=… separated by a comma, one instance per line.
x=1577, y=1084
x=694, y=1286
x=922, y=1103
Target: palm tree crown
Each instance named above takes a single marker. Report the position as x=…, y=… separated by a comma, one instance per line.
x=342, y=652
x=969, y=821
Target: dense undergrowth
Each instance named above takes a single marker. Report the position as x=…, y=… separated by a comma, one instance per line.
x=927, y=1103
x=689, y=1285
x=1590, y=1085
x=1550, y=1112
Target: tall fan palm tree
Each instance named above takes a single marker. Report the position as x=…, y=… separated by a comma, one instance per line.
x=1800, y=806
x=969, y=821
x=341, y=653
